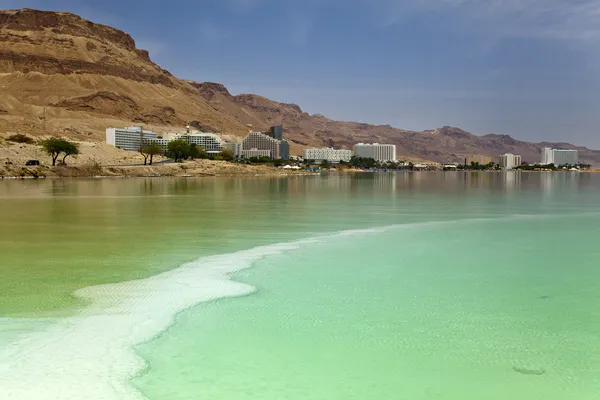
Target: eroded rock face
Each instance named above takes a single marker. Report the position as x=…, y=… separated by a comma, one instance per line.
x=62, y=23
x=63, y=43
x=209, y=90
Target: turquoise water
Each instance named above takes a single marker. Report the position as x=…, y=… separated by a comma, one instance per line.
x=441, y=311
x=439, y=286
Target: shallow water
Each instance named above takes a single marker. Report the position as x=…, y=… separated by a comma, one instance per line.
x=440, y=286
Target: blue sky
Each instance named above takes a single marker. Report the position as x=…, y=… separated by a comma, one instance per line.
x=528, y=68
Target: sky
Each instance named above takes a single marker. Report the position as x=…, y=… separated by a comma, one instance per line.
x=527, y=68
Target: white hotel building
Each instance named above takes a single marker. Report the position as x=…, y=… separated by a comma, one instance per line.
x=559, y=157
x=250, y=153
x=509, y=161
x=327, y=154
x=133, y=138
x=210, y=142
x=379, y=152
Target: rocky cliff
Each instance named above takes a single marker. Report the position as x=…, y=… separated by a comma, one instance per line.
x=63, y=75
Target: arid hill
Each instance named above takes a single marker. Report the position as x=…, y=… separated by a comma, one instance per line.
x=63, y=75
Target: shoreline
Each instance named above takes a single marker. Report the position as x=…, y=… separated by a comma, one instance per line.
x=189, y=169
x=77, y=173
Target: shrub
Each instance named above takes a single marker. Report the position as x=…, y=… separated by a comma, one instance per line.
x=20, y=138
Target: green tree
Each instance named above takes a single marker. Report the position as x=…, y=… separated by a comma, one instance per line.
x=143, y=151
x=55, y=147
x=197, y=152
x=260, y=160
x=69, y=149
x=324, y=164
x=178, y=150
x=149, y=151
x=361, y=162
x=227, y=155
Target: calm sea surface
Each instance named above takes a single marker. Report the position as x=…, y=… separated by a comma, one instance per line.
x=411, y=286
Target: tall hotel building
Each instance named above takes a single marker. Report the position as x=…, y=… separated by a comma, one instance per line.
x=133, y=138
x=559, y=156
x=509, y=161
x=272, y=141
x=210, y=142
x=379, y=152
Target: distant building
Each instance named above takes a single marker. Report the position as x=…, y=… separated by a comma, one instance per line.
x=379, y=152
x=278, y=148
x=428, y=166
x=261, y=141
x=547, y=156
x=210, y=142
x=284, y=150
x=328, y=154
x=276, y=132
x=479, y=159
x=559, y=156
x=256, y=153
x=235, y=147
x=133, y=138
x=509, y=161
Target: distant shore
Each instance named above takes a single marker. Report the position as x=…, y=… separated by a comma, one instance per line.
x=192, y=169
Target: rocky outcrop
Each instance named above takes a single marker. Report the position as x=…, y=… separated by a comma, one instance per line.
x=88, y=75
x=64, y=43
x=115, y=104
x=20, y=62
x=262, y=104
x=102, y=102
x=209, y=90
x=61, y=23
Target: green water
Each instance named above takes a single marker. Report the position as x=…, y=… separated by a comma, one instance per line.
x=473, y=286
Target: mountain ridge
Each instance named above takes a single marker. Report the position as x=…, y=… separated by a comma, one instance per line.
x=63, y=75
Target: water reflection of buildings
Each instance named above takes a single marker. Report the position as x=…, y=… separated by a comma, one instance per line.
x=554, y=182
x=511, y=180
x=386, y=180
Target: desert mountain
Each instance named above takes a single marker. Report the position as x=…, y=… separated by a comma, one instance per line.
x=63, y=75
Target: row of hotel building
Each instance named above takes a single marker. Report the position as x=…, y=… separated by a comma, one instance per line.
x=257, y=144
x=550, y=155
x=378, y=152
x=269, y=144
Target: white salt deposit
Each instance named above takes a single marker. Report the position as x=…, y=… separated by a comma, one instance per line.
x=91, y=356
